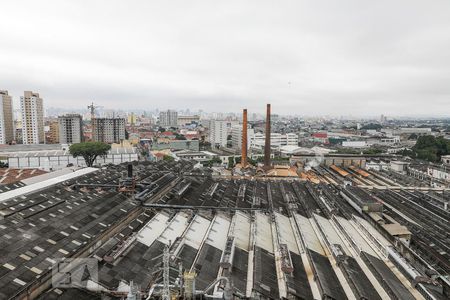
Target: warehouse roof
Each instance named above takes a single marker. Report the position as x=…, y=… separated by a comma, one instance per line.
x=44, y=184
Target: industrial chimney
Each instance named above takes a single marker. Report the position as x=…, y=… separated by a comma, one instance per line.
x=267, y=142
x=244, y=140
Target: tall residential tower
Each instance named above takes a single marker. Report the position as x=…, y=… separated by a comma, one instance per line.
x=70, y=129
x=6, y=118
x=109, y=130
x=32, y=118
x=168, y=118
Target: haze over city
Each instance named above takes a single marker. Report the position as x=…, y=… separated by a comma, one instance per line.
x=307, y=57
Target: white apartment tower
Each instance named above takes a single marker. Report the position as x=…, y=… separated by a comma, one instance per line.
x=236, y=136
x=218, y=133
x=6, y=118
x=32, y=118
x=168, y=118
x=70, y=129
x=109, y=130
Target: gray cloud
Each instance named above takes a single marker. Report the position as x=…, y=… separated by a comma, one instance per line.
x=305, y=57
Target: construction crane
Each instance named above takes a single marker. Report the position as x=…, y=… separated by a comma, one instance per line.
x=92, y=108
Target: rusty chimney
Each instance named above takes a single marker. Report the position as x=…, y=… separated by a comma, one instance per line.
x=267, y=142
x=244, y=139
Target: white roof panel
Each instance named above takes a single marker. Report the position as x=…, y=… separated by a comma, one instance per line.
x=153, y=229
x=241, y=231
x=44, y=184
x=285, y=232
x=263, y=232
x=217, y=236
x=197, y=231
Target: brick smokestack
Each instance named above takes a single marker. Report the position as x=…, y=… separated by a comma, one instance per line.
x=244, y=139
x=267, y=142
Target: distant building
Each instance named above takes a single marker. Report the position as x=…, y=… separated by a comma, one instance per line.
x=32, y=118
x=109, y=130
x=445, y=159
x=398, y=166
x=6, y=118
x=168, y=118
x=193, y=145
x=236, y=136
x=186, y=120
x=418, y=131
x=354, y=144
x=320, y=137
x=131, y=119
x=70, y=128
x=277, y=140
x=53, y=133
x=218, y=133
x=60, y=159
x=439, y=172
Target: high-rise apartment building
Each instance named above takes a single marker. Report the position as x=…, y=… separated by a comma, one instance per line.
x=168, y=119
x=109, y=130
x=236, y=136
x=6, y=118
x=52, y=136
x=218, y=132
x=70, y=129
x=32, y=118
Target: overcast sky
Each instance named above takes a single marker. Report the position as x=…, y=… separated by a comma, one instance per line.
x=305, y=57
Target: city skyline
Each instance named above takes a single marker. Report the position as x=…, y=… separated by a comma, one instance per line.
x=349, y=58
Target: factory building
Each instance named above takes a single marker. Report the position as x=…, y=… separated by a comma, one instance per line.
x=109, y=130
x=59, y=159
x=70, y=129
x=175, y=231
x=31, y=105
x=6, y=118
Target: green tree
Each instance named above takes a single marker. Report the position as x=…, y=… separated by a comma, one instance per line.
x=89, y=151
x=430, y=148
x=230, y=162
x=179, y=137
x=168, y=158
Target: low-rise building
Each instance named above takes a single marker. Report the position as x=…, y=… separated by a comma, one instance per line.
x=354, y=144
x=59, y=159
x=445, y=160
x=193, y=145
x=439, y=172
x=187, y=120
x=320, y=137
x=199, y=156
x=398, y=166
